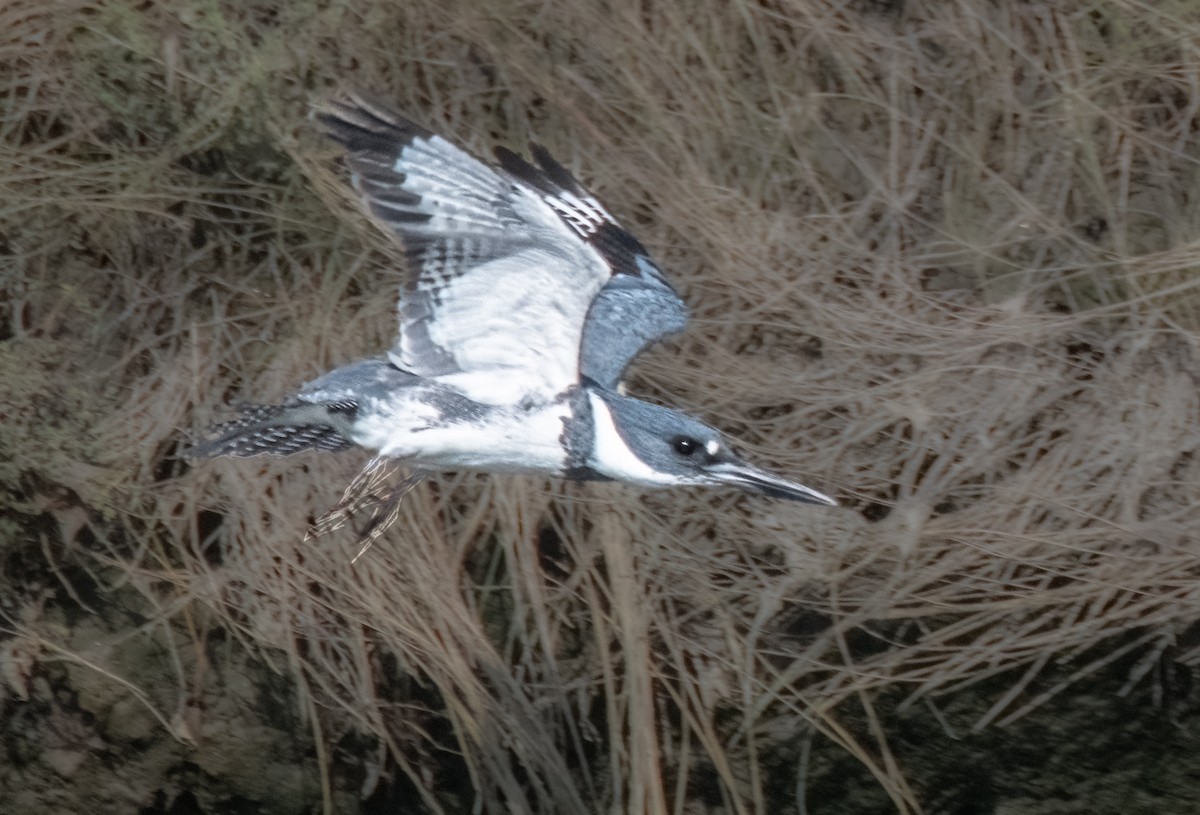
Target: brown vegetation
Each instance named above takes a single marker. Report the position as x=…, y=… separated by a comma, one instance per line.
x=942, y=264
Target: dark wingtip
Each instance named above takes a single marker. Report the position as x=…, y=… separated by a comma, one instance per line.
x=554, y=171
x=359, y=122
x=544, y=174
x=520, y=169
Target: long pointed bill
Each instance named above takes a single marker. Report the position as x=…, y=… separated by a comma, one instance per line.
x=748, y=477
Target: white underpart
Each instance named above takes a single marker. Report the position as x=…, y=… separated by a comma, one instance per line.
x=612, y=457
x=516, y=441
x=508, y=442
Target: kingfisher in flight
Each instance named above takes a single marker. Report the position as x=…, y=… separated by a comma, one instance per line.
x=525, y=303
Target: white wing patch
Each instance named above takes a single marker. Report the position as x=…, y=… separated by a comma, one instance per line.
x=513, y=317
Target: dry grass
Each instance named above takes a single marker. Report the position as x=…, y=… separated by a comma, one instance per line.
x=942, y=259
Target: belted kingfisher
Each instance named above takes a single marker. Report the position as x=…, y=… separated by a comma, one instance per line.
x=524, y=305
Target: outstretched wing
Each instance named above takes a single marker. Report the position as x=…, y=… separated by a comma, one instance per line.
x=505, y=264
x=637, y=306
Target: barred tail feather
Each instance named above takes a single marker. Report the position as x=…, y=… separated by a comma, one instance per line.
x=277, y=430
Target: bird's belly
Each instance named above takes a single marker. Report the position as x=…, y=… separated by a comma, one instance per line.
x=486, y=438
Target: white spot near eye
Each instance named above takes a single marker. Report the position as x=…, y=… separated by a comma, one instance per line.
x=712, y=447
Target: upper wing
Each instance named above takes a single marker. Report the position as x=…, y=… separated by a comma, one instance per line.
x=505, y=265
x=628, y=315
x=637, y=306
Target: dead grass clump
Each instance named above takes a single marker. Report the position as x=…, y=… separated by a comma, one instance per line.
x=941, y=259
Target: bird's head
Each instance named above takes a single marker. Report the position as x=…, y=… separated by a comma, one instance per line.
x=646, y=444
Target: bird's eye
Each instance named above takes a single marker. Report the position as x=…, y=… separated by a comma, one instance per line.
x=685, y=446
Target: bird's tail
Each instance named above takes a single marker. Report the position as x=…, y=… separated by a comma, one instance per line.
x=277, y=430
